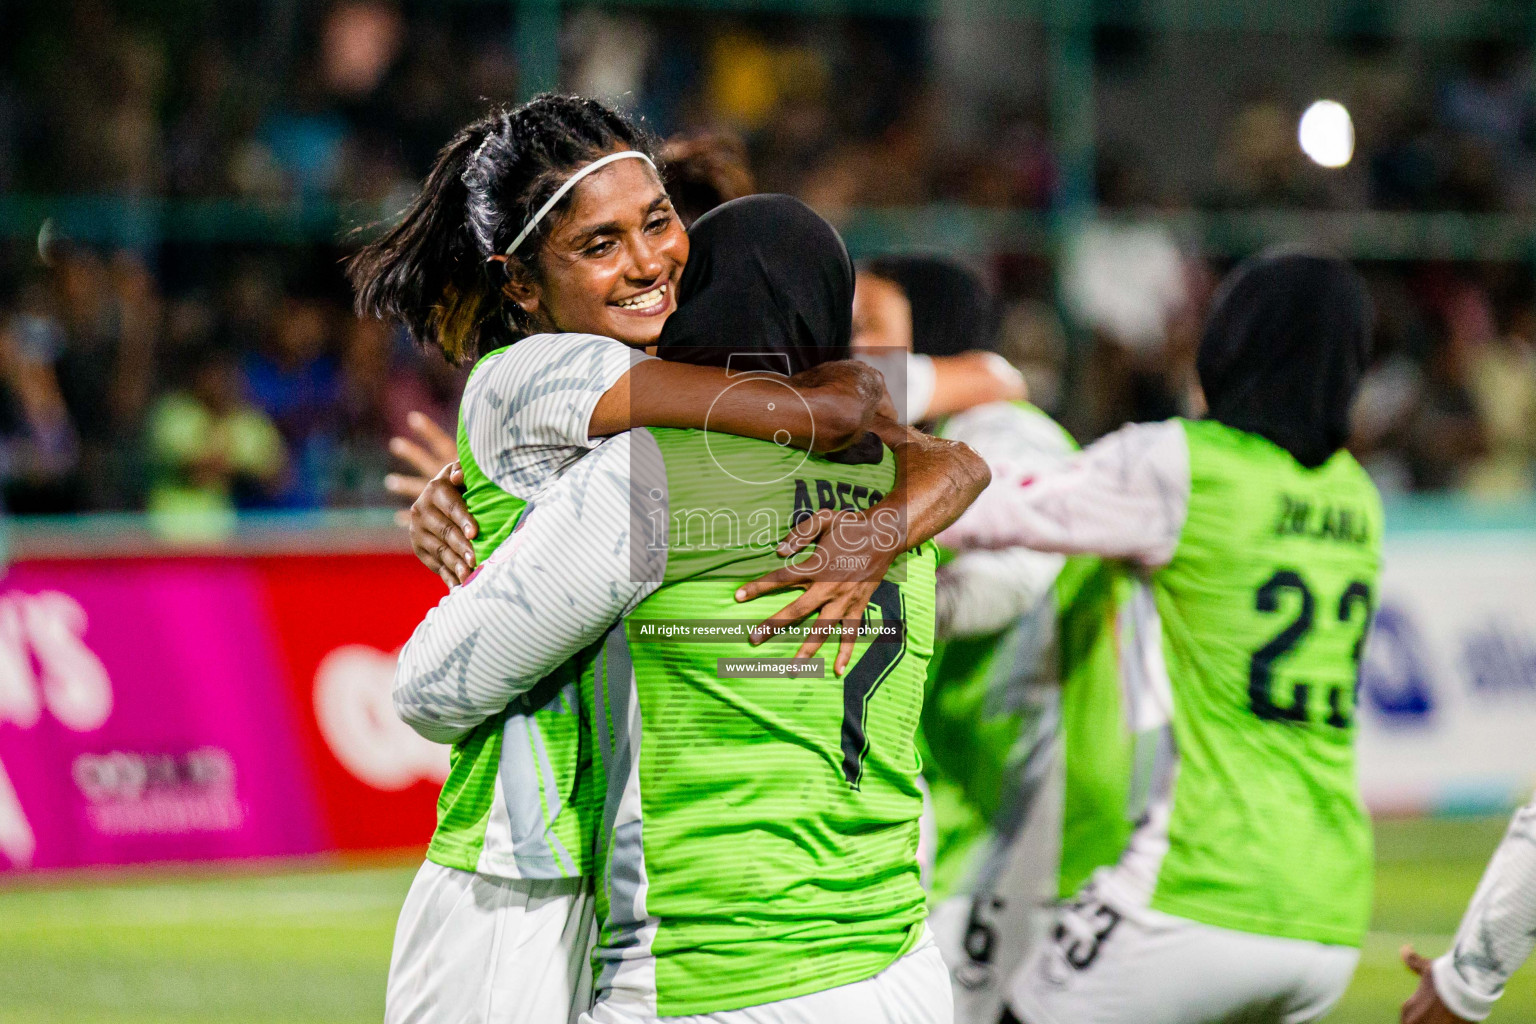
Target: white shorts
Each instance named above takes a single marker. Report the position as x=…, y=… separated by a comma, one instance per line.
x=983, y=940
x=913, y=990
x=986, y=932
x=477, y=949
x=1110, y=965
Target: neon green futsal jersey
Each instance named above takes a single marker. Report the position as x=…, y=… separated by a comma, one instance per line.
x=1073, y=647
x=977, y=700
x=990, y=703
x=1254, y=583
x=1261, y=616
x=759, y=839
x=1003, y=702
x=520, y=799
x=758, y=831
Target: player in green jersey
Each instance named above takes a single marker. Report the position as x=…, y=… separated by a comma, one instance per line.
x=1011, y=633
x=1244, y=890
x=441, y=674
x=514, y=826
x=1029, y=797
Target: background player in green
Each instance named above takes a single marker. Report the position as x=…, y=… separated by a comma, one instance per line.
x=1245, y=889
x=671, y=921
x=1011, y=636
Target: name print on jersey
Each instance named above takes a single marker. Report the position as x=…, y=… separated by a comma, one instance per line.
x=1299, y=517
x=735, y=526
x=841, y=496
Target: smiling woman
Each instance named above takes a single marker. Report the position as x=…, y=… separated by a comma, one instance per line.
x=546, y=218
x=610, y=265
x=550, y=217
x=525, y=224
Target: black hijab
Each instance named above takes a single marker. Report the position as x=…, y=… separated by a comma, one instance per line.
x=1286, y=344
x=768, y=286
x=952, y=309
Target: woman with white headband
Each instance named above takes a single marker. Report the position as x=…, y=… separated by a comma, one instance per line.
x=545, y=218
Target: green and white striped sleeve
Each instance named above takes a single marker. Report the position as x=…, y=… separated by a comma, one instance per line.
x=586, y=554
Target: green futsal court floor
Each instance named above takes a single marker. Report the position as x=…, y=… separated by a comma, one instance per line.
x=306, y=946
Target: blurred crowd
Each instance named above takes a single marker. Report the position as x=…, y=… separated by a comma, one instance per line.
x=1449, y=403
x=220, y=374
x=263, y=392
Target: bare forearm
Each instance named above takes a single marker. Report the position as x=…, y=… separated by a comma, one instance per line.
x=970, y=379
x=936, y=480
x=823, y=409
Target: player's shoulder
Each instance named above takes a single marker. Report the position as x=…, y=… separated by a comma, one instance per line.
x=566, y=341
x=513, y=376
x=546, y=354
x=1151, y=439
x=1021, y=422
x=1354, y=477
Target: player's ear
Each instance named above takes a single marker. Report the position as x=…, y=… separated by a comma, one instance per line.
x=520, y=286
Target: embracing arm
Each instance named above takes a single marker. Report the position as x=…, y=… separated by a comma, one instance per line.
x=969, y=379
x=561, y=580
x=529, y=410
x=1125, y=496
x=822, y=409
x=933, y=387
x=935, y=480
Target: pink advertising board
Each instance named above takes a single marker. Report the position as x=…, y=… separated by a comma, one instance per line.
x=150, y=711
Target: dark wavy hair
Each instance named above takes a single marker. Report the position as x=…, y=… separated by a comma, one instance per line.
x=432, y=271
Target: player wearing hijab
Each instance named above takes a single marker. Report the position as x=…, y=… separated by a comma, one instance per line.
x=928, y=324
x=1245, y=889
x=599, y=251
x=756, y=841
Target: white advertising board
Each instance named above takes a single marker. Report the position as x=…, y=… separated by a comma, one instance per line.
x=1448, y=689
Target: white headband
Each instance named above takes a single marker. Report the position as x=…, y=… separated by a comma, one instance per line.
x=570, y=183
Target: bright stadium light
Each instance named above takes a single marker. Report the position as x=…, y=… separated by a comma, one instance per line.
x=1326, y=134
